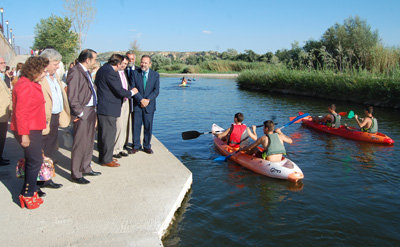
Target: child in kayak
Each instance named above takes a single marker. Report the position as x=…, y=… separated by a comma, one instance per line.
x=330, y=120
x=272, y=143
x=369, y=123
x=238, y=133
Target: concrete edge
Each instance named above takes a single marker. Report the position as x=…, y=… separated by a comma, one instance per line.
x=170, y=217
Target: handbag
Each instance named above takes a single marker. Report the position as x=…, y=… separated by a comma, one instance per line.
x=46, y=172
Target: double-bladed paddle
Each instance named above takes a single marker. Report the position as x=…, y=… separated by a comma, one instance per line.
x=225, y=158
x=193, y=134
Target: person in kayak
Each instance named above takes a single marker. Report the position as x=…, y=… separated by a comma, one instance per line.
x=272, y=143
x=331, y=120
x=369, y=123
x=183, y=82
x=238, y=133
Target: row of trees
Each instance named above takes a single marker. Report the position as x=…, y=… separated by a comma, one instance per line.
x=343, y=47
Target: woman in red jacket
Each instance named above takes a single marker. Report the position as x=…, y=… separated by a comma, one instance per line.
x=28, y=120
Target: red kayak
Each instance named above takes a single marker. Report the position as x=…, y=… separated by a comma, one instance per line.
x=350, y=133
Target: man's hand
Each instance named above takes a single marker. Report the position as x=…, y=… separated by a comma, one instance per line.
x=134, y=90
x=144, y=103
x=25, y=141
x=76, y=119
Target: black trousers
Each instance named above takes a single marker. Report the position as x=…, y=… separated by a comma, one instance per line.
x=50, y=141
x=106, y=137
x=33, y=161
x=3, y=135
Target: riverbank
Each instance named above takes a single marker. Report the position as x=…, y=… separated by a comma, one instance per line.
x=132, y=205
x=195, y=75
x=361, y=88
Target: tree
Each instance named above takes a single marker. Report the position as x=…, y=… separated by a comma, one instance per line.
x=82, y=13
x=354, y=39
x=56, y=32
x=135, y=48
x=157, y=61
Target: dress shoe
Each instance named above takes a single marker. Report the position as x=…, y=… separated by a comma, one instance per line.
x=132, y=151
x=118, y=156
x=5, y=160
x=41, y=193
x=4, y=163
x=148, y=150
x=124, y=154
x=52, y=185
x=92, y=173
x=111, y=164
x=81, y=180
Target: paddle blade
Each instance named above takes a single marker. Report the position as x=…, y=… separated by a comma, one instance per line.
x=221, y=158
x=296, y=119
x=351, y=114
x=342, y=114
x=187, y=135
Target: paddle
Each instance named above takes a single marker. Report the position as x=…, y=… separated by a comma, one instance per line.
x=193, y=134
x=351, y=114
x=225, y=158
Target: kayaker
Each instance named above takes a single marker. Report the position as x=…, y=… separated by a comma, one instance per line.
x=331, y=120
x=369, y=123
x=272, y=143
x=238, y=132
x=184, y=82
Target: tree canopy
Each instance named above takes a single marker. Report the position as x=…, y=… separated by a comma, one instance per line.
x=56, y=32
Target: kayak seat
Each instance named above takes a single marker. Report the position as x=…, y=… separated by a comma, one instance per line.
x=288, y=164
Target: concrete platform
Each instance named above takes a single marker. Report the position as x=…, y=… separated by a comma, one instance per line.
x=131, y=205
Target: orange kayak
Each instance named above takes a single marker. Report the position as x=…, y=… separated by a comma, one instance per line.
x=350, y=133
x=284, y=169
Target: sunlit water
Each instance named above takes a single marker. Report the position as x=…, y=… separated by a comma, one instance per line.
x=349, y=196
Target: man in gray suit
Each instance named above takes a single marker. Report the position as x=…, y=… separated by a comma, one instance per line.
x=82, y=100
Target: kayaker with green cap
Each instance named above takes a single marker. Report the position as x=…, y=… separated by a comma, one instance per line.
x=330, y=120
x=238, y=132
x=369, y=123
x=272, y=143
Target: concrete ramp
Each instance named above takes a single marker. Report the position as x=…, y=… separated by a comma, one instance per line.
x=131, y=205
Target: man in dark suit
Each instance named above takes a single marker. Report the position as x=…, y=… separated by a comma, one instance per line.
x=110, y=97
x=147, y=82
x=129, y=71
x=82, y=100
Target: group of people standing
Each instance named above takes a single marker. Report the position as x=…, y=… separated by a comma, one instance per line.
x=119, y=95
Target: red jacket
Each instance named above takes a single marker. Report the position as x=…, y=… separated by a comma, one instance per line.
x=28, y=107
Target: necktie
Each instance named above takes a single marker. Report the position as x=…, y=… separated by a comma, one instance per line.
x=92, y=88
x=144, y=80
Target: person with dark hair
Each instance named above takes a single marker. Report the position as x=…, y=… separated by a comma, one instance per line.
x=238, y=133
x=331, y=120
x=8, y=76
x=272, y=143
x=110, y=94
x=369, y=123
x=83, y=101
x=5, y=112
x=147, y=82
x=28, y=121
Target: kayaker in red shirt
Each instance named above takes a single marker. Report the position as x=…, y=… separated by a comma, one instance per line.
x=369, y=123
x=238, y=132
x=272, y=143
x=331, y=120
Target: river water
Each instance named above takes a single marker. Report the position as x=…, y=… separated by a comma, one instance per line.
x=349, y=196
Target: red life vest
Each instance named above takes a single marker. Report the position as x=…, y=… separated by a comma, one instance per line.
x=235, y=137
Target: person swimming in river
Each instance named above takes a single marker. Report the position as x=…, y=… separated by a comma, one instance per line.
x=331, y=120
x=369, y=123
x=238, y=134
x=272, y=142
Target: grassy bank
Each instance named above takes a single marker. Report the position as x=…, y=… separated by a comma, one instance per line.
x=360, y=87
x=213, y=66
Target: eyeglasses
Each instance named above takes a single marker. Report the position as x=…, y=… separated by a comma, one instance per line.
x=2, y=62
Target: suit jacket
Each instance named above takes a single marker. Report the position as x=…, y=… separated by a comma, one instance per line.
x=110, y=92
x=5, y=102
x=129, y=76
x=28, y=107
x=65, y=116
x=79, y=92
x=150, y=92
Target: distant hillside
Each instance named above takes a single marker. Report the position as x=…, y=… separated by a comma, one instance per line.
x=174, y=55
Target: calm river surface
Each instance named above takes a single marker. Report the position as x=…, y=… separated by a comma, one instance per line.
x=349, y=196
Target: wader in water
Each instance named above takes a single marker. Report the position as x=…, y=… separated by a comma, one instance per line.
x=336, y=121
x=373, y=128
x=274, y=146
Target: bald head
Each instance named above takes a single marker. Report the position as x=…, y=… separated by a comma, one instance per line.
x=2, y=65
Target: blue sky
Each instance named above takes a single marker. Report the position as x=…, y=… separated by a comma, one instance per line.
x=203, y=25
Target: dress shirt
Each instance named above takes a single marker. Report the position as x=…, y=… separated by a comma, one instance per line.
x=124, y=81
x=56, y=95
